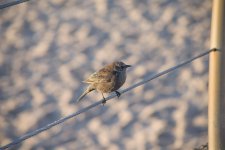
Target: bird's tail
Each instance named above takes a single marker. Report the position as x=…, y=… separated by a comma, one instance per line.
x=89, y=89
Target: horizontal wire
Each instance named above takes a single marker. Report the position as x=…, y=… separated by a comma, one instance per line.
x=147, y=79
x=2, y=6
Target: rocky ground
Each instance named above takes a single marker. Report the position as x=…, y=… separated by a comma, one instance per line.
x=48, y=47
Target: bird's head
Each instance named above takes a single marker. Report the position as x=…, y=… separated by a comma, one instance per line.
x=120, y=66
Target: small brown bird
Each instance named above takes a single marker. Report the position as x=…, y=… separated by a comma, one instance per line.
x=108, y=79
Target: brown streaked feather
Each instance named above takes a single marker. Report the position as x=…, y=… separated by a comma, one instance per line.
x=101, y=76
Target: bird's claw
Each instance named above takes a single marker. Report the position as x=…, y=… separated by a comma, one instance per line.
x=103, y=102
x=117, y=94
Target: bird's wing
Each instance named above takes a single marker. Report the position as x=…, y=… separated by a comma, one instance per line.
x=102, y=76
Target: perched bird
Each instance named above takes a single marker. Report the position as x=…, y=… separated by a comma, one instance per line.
x=108, y=79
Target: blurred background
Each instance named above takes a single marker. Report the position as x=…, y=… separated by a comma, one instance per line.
x=48, y=47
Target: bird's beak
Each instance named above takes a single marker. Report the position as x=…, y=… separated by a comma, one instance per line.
x=126, y=66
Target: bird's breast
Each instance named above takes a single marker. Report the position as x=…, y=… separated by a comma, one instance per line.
x=119, y=80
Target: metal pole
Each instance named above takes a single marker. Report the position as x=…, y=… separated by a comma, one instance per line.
x=215, y=109
x=222, y=94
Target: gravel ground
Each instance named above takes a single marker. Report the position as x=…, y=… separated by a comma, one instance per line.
x=48, y=47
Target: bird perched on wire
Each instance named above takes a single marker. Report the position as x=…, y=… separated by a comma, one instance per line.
x=108, y=79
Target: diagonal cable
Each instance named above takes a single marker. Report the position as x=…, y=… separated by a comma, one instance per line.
x=16, y=2
x=147, y=79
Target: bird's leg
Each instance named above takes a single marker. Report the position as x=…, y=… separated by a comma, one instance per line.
x=117, y=94
x=104, y=101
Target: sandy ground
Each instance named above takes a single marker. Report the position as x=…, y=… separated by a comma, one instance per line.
x=48, y=47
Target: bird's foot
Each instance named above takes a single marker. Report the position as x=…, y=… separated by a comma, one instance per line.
x=117, y=94
x=104, y=102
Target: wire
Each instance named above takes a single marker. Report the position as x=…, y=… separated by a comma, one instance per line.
x=147, y=79
x=2, y=6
